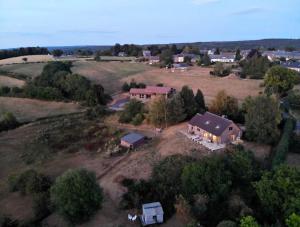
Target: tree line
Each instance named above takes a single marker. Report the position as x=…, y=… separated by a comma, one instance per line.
x=9, y=53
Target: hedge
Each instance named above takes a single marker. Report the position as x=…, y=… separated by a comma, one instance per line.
x=284, y=143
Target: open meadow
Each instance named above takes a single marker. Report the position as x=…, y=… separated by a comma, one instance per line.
x=6, y=81
x=30, y=58
x=30, y=109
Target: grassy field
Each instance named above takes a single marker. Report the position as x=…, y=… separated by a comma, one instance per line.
x=200, y=78
x=30, y=58
x=10, y=82
x=29, y=69
x=30, y=109
x=109, y=74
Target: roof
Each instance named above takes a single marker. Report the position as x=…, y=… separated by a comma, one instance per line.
x=132, y=137
x=180, y=65
x=297, y=126
x=151, y=90
x=154, y=58
x=222, y=56
x=211, y=123
x=291, y=65
x=152, y=209
x=282, y=53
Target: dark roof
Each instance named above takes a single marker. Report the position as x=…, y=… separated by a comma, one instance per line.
x=291, y=64
x=132, y=137
x=211, y=123
x=151, y=90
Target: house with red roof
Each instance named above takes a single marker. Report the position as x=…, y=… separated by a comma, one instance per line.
x=214, y=128
x=150, y=92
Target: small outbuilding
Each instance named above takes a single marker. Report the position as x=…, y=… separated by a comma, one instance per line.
x=132, y=140
x=152, y=214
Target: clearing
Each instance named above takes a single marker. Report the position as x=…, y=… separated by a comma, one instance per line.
x=6, y=81
x=29, y=69
x=31, y=109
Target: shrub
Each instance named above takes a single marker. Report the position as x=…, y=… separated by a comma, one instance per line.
x=248, y=221
x=41, y=205
x=283, y=146
x=8, y=121
x=138, y=119
x=76, y=195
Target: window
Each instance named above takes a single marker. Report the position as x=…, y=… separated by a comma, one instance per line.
x=230, y=128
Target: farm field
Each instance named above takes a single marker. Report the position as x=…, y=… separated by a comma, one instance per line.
x=112, y=75
x=29, y=69
x=109, y=74
x=200, y=78
x=30, y=58
x=10, y=82
x=30, y=109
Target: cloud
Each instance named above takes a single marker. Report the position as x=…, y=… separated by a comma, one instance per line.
x=249, y=11
x=204, y=2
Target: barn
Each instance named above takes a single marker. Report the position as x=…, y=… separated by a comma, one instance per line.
x=132, y=140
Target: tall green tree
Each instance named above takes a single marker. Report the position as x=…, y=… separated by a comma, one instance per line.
x=189, y=102
x=262, y=119
x=158, y=112
x=249, y=221
x=279, y=80
x=293, y=220
x=279, y=192
x=166, y=57
x=238, y=55
x=199, y=99
x=76, y=195
x=175, y=109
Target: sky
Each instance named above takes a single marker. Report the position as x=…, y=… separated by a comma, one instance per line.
x=106, y=22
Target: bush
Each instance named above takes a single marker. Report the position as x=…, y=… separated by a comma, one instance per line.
x=29, y=182
x=41, y=205
x=138, y=119
x=77, y=195
x=131, y=109
x=283, y=146
x=4, y=90
x=8, y=121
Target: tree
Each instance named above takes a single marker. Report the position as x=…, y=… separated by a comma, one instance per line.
x=293, y=220
x=206, y=177
x=131, y=110
x=158, y=112
x=76, y=195
x=224, y=104
x=238, y=55
x=248, y=221
x=57, y=53
x=189, y=102
x=227, y=223
x=220, y=70
x=279, y=80
x=217, y=52
x=199, y=99
x=205, y=60
x=166, y=57
x=175, y=109
x=262, y=119
x=278, y=192
x=125, y=87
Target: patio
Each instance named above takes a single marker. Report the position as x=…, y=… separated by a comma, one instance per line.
x=204, y=142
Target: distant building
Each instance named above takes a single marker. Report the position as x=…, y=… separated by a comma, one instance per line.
x=150, y=92
x=214, y=128
x=180, y=66
x=153, y=60
x=122, y=54
x=132, y=140
x=291, y=65
x=146, y=53
x=152, y=214
x=223, y=57
x=179, y=58
x=245, y=53
x=288, y=55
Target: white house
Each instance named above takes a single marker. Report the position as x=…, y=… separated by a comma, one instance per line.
x=223, y=57
x=152, y=214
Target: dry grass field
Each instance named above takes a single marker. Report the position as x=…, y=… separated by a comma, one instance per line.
x=198, y=77
x=109, y=74
x=30, y=58
x=10, y=82
x=30, y=109
x=29, y=69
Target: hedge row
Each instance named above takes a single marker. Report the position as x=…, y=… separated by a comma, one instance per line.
x=284, y=143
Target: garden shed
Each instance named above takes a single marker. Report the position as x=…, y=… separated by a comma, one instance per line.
x=132, y=140
x=152, y=214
